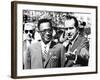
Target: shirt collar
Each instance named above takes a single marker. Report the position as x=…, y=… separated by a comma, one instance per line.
x=42, y=43
x=45, y=45
x=72, y=41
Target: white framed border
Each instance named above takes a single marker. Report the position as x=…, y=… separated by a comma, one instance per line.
x=54, y=71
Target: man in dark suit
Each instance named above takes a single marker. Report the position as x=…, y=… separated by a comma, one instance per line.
x=77, y=46
x=45, y=53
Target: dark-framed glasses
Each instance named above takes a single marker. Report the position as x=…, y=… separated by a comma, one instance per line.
x=26, y=31
x=46, y=30
x=70, y=28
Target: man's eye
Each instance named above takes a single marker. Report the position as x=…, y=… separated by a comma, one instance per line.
x=66, y=28
x=50, y=30
x=71, y=27
x=44, y=31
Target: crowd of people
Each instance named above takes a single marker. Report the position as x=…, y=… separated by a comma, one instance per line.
x=49, y=46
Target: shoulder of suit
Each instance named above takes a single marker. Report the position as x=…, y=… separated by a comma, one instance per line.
x=84, y=41
x=35, y=44
x=82, y=38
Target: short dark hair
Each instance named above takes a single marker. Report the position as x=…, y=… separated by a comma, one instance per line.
x=44, y=21
x=75, y=19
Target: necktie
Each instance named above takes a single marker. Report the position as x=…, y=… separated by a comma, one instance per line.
x=44, y=54
x=72, y=53
x=70, y=44
x=68, y=47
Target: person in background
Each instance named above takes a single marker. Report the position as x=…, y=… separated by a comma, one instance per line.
x=45, y=53
x=28, y=38
x=76, y=45
x=37, y=35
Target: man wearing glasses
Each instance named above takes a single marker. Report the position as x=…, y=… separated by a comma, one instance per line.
x=77, y=46
x=28, y=38
x=45, y=53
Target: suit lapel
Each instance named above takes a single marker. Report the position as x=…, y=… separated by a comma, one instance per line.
x=50, y=53
x=76, y=43
x=39, y=54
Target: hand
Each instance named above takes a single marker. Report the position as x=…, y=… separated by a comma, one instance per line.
x=71, y=55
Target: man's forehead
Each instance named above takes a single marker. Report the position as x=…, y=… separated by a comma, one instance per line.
x=29, y=26
x=45, y=25
x=69, y=23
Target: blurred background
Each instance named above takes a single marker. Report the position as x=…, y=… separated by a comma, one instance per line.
x=57, y=18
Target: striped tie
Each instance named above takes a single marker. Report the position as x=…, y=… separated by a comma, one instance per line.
x=44, y=54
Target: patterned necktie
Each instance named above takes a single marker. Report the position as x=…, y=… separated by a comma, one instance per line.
x=44, y=54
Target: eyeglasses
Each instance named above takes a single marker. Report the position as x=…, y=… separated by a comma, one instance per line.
x=46, y=30
x=26, y=31
x=69, y=28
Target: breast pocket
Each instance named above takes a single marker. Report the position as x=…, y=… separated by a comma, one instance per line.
x=54, y=61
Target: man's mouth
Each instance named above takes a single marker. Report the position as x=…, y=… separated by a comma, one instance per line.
x=69, y=35
x=47, y=37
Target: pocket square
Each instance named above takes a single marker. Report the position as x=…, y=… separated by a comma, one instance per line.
x=54, y=57
x=50, y=53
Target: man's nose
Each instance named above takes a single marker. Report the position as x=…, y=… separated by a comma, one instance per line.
x=69, y=34
x=29, y=34
x=68, y=31
x=47, y=32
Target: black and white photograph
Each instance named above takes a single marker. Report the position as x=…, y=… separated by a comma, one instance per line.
x=53, y=39
x=58, y=33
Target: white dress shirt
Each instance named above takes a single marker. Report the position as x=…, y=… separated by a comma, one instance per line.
x=45, y=45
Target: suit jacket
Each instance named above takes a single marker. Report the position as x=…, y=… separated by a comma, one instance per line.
x=55, y=57
x=81, y=44
x=26, y=44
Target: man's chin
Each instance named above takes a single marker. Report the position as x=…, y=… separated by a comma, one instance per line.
x=48, y=40
x=70, y=38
